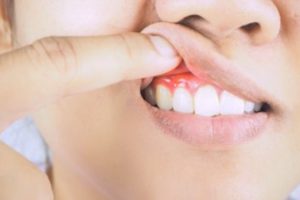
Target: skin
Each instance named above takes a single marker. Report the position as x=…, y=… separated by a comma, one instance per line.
x=99, y=149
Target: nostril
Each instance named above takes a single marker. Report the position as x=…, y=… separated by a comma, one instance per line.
x=193, y=22
x=251, y=27
x=192, y=19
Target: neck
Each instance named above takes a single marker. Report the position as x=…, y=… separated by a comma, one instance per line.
x=70, y=185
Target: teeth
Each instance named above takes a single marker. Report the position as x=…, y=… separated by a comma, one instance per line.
x=163, y=98
x=183, y=101
x=258, y=107
x=231, y=104
x=149, y=96
x=207, y=101
x=249, y=107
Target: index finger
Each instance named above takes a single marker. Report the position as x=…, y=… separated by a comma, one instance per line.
x=51, y=68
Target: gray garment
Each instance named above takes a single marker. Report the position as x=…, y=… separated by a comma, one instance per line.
x=24, y=137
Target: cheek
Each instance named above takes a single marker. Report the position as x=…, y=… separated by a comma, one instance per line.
x=290, y=15
x=75, y=17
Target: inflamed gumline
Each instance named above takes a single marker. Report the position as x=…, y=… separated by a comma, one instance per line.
x=181, y=77
x=182, y=91
x=184, y=80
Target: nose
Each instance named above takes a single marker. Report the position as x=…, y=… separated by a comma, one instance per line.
x=259, y=20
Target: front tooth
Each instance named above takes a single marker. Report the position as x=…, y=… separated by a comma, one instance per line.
x=163, y=97
x=231, y=104
x=207, y=102
x=249, y=107
x=183, y=101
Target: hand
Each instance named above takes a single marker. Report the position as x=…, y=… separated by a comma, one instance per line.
x=52, y=68
x=55, y=67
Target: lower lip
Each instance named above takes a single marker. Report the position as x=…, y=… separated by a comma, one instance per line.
x=210, y=132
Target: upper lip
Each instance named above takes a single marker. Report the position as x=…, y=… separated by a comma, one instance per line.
x=202, y=57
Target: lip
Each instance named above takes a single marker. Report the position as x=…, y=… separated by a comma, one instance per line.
x=202, y=58
x=210, y=133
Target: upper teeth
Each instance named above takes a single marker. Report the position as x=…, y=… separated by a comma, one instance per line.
x=163, y=98
x=205, y=102
x=182, y=101
x=230, y=104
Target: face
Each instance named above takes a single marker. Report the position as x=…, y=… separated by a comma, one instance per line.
x=111, y=139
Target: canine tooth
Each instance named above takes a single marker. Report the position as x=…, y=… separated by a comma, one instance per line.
x=149, y=95
x=231, y=104
x=163, y=98
x=183, y=101
x=258, y=107
x=207, y=101
x=249, y=107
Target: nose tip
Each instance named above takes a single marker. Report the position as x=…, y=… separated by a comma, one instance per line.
x=258, y=20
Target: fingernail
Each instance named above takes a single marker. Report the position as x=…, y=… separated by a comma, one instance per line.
x=163, y=46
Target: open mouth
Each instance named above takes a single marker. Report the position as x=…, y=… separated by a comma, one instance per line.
x=180, y=91
x=199, y=111
x=205, y=101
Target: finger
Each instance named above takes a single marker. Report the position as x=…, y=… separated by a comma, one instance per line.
x=54, y=67
x=128, y=56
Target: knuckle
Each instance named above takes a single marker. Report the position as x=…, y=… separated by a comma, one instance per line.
x=126, y=45
x=132, y=49
x=58, y=53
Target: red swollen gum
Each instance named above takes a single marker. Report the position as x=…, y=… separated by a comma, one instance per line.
x=184, y=80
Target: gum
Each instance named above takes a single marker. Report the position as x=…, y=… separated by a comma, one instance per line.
x=184, y=80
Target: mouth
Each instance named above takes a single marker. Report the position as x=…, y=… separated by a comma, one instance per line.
x=183, y=92
x=205, y=101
